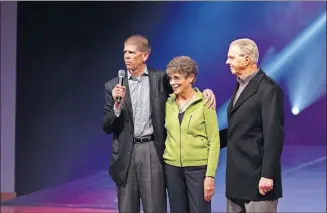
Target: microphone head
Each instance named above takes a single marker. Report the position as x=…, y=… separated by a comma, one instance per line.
x=121, y=73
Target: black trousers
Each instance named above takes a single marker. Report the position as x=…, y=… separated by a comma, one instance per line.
x=185, y=187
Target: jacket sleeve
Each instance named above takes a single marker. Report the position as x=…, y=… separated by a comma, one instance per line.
x=110, y=117
x=212, y=131
x=273, y=131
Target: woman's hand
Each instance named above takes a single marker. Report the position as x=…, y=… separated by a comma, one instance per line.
x=209, y=188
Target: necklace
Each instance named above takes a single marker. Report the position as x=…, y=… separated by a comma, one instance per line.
x=183, y=107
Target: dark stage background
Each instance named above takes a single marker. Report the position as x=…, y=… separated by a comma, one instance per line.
x=68, y=50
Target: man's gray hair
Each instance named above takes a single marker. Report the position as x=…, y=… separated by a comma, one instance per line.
x=248, y=47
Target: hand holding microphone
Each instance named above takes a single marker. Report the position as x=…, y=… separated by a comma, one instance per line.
x=118, y=92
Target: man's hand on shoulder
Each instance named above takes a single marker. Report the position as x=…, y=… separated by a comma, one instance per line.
x=210, y=99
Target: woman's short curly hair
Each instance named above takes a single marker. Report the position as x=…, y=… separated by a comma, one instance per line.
x=183, y=65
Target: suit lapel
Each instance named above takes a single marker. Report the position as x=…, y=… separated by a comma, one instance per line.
x=153, y=87
x=127, y=100
x=230, y=106
x=249, y=90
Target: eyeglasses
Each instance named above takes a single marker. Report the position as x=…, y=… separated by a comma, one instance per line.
x=176, y=78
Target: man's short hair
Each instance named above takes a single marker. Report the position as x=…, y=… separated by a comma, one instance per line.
x=140, y=41
x=248, y=47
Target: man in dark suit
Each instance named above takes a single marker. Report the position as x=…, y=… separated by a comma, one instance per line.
x=255, y=134
x=137, y=124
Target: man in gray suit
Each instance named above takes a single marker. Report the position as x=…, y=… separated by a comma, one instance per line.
x=137, y=125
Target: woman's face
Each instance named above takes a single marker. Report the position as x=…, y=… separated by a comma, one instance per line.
x=180, y=83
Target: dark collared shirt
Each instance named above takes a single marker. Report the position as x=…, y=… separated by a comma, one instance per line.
x=242, y=84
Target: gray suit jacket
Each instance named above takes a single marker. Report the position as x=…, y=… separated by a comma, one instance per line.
x=122, y=127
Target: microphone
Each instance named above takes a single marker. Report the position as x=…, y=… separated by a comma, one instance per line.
x=121, y=75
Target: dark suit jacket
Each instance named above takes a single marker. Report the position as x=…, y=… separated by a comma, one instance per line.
x=255, y=139
x=122, y=128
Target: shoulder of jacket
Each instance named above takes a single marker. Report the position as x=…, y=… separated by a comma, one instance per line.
x=170, y=100
x=111, y=83
x=157, y=72
x=270, y=84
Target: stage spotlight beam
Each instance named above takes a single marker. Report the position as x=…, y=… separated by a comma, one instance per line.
x=295, y=110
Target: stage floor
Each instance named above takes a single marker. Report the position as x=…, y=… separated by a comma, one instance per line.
x=50, y=209
x=304, y=186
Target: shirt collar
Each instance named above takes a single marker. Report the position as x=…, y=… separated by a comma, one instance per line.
x=247, y=79
x=145, y=72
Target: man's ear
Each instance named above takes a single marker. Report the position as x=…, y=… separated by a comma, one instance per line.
x=247, y=60
x=145, y=56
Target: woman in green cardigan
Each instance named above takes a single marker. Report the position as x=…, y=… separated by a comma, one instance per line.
x=192, y=144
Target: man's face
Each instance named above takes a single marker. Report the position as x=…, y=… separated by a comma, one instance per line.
x=134, y=58
x=236, y=60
